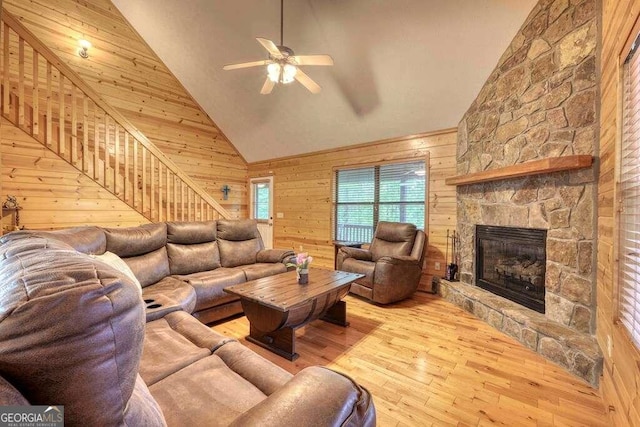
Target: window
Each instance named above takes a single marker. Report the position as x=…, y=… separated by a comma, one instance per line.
x=387, y=192
x=629, y=197
x=260, y=200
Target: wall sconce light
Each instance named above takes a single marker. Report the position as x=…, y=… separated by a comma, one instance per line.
x=84, y=48
x=225, y=191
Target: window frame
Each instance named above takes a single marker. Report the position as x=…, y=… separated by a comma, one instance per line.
x=334, y=221
x=253, y=195
x=620, y=329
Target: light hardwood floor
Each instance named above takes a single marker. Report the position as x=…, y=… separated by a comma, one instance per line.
x=427, y=362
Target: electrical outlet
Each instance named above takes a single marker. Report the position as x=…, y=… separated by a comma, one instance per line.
x=280, y=215
x=437, y=266
x=609, y=346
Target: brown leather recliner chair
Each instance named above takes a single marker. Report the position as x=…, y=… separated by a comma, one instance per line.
x=392, y=266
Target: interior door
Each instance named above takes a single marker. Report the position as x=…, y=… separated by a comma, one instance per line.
x=261, y=207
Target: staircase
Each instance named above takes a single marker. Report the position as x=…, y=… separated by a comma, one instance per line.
x=46, y=99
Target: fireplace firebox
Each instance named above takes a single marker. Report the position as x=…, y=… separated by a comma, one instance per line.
x=510, y=262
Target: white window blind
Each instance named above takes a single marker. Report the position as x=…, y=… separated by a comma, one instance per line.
x=629, y=191
x=388, y=192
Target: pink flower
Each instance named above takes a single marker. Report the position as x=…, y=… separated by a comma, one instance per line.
x=302, y=261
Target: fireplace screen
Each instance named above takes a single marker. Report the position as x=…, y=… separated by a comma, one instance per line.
x=510, y=262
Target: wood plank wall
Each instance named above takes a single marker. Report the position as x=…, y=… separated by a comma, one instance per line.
x=1, y=130
x=621, y=359
x=303, y=193
x=51, y=192
x=128, y=75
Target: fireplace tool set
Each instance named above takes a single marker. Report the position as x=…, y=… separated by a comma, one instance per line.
x=451, y=271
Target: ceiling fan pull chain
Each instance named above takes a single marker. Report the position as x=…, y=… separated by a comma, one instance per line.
x=281, y=22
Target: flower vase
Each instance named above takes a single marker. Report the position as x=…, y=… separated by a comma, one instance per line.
x=303, y=276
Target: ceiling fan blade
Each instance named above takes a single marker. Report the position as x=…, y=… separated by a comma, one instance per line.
x=307, y=82
x=267, y=87
x=312, y=59
x=246, y=65
x=270, y=46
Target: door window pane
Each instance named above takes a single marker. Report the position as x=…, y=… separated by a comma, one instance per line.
x=261, y=200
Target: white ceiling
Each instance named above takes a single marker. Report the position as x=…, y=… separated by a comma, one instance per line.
x=401, y=67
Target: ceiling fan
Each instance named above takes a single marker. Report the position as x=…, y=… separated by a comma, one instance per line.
x=283, y=66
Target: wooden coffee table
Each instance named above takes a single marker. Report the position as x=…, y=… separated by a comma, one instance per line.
x=277, y=305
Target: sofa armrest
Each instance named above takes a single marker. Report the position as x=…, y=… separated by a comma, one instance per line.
x=274, y=255
x=357, y=253
x=316, y=396
x=399, y=260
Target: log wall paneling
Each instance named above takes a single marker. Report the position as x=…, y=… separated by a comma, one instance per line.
x=621, y=374
x=130, y=77
x=303, y=193
x=110, y=127
x=51, y=192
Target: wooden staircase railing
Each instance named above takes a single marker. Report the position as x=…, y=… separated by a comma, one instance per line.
x=45, y=98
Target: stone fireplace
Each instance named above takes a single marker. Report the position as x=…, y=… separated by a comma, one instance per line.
x=510, y=262
x=562, y=205
x=538, y=104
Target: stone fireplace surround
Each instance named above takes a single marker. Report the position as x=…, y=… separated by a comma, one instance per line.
x=562, y=203
x=540, y=102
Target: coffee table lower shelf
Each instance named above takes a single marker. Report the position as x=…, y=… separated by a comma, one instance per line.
x=283, y=341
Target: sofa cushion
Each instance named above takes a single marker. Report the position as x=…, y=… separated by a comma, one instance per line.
x=191, y=232
x=392, y=239
x=267, y=376
x=166, y=351
x=205, y=393
x=209, y=286
x=133, y=241
x=238, y=229
x=69, y=324
x=239, y=241
x=175, y=341
x=150, y=267
x=187, y=259
x=256, y=271
x=235, y=253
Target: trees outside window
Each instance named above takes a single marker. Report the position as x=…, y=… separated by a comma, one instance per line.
x=388, y=192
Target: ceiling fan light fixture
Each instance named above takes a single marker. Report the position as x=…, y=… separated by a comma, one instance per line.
x=273, y=71
x=282, y=65
x=289, y=73
x=282, y=73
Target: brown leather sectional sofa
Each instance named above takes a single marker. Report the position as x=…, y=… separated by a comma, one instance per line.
x=75, y=331
x=185, y=265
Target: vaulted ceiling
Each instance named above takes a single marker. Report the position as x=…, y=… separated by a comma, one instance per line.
x=401, y=67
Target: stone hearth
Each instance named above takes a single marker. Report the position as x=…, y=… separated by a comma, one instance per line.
x=539, y=102
x=577, y=352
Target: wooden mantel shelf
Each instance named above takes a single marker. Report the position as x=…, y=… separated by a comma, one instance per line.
x=535, y=167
